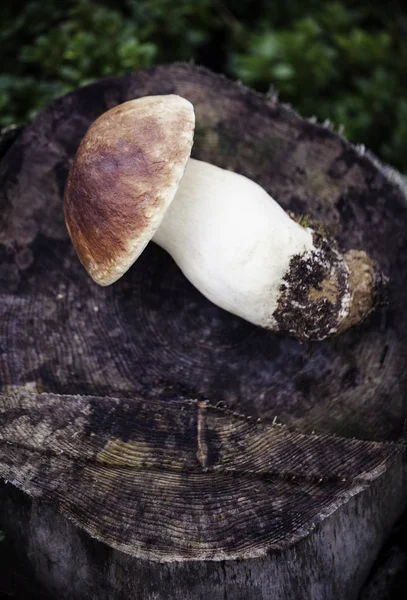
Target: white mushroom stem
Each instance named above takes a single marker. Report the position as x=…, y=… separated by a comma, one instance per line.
x=133, y=180
x=232, y=241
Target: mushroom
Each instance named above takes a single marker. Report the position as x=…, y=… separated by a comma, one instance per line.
x=133, y=181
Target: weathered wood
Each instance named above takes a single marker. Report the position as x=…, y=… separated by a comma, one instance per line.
x=194, y=483
x=331, y=563
x=104, y=390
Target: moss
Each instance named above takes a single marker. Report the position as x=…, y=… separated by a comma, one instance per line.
x=343, y=60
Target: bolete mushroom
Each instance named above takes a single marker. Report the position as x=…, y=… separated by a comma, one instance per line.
x=133, y=181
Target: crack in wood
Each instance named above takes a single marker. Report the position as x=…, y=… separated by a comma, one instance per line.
x=202, y=452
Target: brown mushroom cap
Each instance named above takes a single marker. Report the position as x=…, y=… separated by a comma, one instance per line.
x=124, y=176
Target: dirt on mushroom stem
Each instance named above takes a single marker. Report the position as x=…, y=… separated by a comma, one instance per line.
x=249, y=258
x=324, y=293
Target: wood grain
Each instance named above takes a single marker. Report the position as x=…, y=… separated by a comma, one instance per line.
x=132, y=410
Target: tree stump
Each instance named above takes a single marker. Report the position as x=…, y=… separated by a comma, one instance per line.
x=161, y=447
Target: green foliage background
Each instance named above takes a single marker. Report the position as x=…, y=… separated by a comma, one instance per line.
x=344, y=60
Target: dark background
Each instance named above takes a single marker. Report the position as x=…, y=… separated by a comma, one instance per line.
x=345, y=61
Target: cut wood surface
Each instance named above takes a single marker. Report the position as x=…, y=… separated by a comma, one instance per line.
x=170, y=430
x=180, y=482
